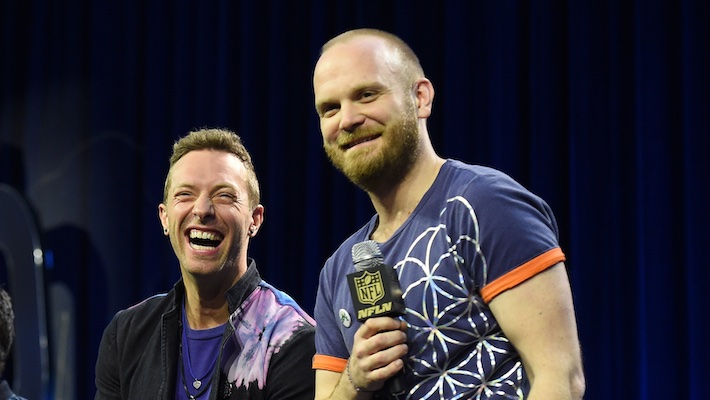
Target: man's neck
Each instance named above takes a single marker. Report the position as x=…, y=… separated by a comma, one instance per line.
x=206, y=301
x=396, y=204
x=206, y=314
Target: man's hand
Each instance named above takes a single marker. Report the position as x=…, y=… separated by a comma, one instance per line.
x=378, y=347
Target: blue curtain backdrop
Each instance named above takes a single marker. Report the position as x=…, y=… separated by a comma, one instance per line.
x=600, y=107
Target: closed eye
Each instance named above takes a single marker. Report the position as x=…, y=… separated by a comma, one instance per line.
x=225, y=197
x=183, y=197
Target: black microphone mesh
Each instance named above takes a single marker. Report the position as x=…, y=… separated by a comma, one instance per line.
x=367, y=254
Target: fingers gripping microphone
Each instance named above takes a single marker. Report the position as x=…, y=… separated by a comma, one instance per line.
x=375, y=291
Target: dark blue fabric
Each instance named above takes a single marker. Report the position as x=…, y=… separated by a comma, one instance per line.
x=601, y=108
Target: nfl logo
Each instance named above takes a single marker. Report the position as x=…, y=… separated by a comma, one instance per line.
x=370, y=288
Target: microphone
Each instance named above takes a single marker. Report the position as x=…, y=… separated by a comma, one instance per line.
x=375, y=291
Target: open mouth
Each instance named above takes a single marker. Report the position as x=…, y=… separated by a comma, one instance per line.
x=202, y=240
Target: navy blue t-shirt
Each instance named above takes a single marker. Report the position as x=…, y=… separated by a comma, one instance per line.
x=475, y=233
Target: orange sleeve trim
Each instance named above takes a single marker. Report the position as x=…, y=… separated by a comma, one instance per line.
x=329, y=363
x=522, y=273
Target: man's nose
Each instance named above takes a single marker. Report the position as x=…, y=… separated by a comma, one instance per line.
x=350, y=117
x=203, y=208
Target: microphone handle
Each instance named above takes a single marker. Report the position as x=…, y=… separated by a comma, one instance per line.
x=395, y=385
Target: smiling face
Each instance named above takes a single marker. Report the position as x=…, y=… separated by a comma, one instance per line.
x=207, y=213
x=367, y=110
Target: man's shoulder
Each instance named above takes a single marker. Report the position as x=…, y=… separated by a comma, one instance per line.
x=149, y=303
x=477, y=182
x=484, y=173
x=149, y=308
x=283, y=307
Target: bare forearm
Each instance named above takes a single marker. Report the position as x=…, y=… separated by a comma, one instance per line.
x=557, y=388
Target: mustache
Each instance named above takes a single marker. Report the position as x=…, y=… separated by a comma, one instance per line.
x=349, y=139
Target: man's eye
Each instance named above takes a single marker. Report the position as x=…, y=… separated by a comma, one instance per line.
x=368, y=95
x=225, y=197
x=328, y=111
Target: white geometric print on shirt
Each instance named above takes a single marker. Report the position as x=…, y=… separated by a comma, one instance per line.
x=458, y=343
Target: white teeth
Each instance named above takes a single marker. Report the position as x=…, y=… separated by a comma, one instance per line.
x=197, y=234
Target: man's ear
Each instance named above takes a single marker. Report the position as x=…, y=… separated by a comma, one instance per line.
x=257, y=218
x=163, y=217
x=424, y=92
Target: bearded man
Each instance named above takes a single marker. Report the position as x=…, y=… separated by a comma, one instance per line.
x=488, y=304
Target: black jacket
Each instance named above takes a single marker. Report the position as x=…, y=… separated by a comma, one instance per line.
x=138, y=355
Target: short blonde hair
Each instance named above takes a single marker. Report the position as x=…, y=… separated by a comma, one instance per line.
x=218, y=139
